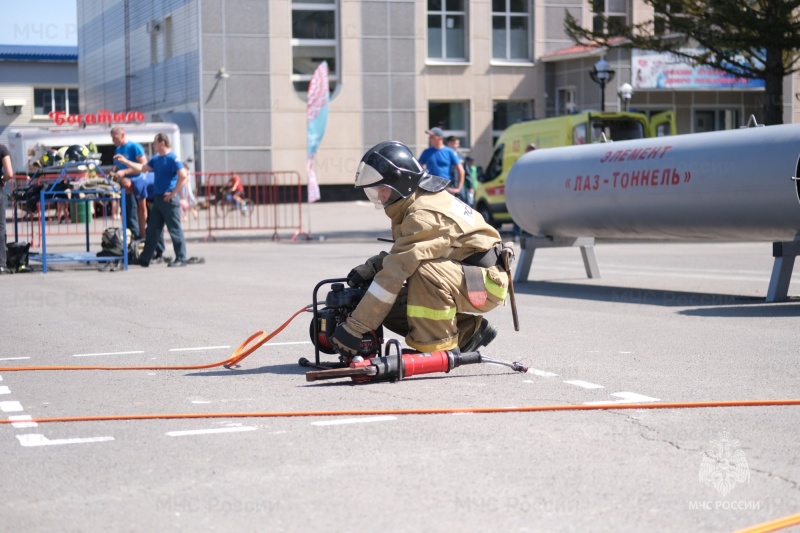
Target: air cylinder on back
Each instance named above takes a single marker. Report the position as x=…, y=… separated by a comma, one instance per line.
x=733, y=185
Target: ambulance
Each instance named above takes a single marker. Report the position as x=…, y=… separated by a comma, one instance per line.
x=567, y=130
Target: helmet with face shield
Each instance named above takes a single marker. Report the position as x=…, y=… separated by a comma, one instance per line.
x=389, y=171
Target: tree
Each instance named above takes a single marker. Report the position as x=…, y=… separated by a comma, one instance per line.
x=755, y=39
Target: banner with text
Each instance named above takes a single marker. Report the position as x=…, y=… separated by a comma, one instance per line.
x=317, y=119
x=663, y=70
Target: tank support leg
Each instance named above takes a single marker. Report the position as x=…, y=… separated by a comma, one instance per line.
x=529, y=244
x=784, y=254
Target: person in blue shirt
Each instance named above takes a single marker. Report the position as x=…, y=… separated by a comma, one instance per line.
x=169, y=176
x=141, y=188
x=132, y=151
x=440, y=160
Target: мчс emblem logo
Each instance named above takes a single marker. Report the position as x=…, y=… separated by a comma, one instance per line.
x=724, y=464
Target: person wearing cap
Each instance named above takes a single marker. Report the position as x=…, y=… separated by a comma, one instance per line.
x=441, y=160
x=443, y=271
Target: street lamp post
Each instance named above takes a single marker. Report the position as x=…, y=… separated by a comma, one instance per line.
x=601, y=74
x=625, y=94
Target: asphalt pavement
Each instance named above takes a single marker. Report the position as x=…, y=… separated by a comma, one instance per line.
x=664, y=323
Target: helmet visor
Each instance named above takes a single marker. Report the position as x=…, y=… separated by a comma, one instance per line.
x=367, y=175
x=382, y=196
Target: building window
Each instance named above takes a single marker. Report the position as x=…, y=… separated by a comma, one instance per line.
x=506, y=113
x=453, y=118
x=566, y=103
x=315, y=38
x=47, y=100
x=660, y=24
x=447, y=30
x=715, y=120
x=616, y=13
x=155, y=28
x=510, y=30
x=168, y=37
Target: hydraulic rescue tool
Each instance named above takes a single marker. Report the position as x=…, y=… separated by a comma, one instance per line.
x=370, y=364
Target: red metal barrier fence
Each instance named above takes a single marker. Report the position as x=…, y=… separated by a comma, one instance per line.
x=271, y=201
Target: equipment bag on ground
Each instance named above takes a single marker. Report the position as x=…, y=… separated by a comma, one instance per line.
x=111, y=242
x=17, y=256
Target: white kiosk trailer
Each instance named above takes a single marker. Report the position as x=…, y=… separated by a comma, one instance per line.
x=27, y=144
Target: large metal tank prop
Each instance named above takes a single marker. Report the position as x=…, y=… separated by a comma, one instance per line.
x=733, y=185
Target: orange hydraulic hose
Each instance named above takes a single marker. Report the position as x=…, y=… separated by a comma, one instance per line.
x=256, y=340
x=240, y=353
x=436, y=411
x=773, y=525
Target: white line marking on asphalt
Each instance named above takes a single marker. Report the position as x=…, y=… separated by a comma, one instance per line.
x=201, y=401
x=105, y=353
x=584, y=384
x=35, y=439
x=286, y=343
x=22, y=423
x=5, y=390
x=209, y=431
x=463, y=413
x=625, y=352
x=10, y=407
x=1, y=378
x=14, y=358
x=354, y=420
x=625, y=397
x=541, y=373
x=199, y=348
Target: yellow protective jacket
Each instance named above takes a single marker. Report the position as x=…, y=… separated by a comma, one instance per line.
x=426, y=226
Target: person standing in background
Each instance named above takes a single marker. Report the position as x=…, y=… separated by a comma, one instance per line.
x=457, y=179
x=169, y=177
x=131, y=151
x=439, y=159
x=6, y=173
x=470, y=182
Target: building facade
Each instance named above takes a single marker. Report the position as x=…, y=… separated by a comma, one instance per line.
x=35, y=80
x=235, y=73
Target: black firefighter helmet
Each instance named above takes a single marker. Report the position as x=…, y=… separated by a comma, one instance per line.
x=389, y=171
x=50, y=158
x=76, y=152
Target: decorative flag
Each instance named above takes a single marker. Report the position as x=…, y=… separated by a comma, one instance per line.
x=317, y=117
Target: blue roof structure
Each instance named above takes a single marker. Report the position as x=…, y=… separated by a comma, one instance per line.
x=15, y=52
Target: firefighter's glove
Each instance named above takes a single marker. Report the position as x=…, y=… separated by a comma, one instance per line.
x=361, y=275
x=347, y=339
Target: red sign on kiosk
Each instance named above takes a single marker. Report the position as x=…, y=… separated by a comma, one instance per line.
x=104, y=116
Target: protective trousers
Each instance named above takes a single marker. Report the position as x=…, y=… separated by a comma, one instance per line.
x=434, y=312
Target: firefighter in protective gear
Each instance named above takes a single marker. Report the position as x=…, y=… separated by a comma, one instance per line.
x=443, y=271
